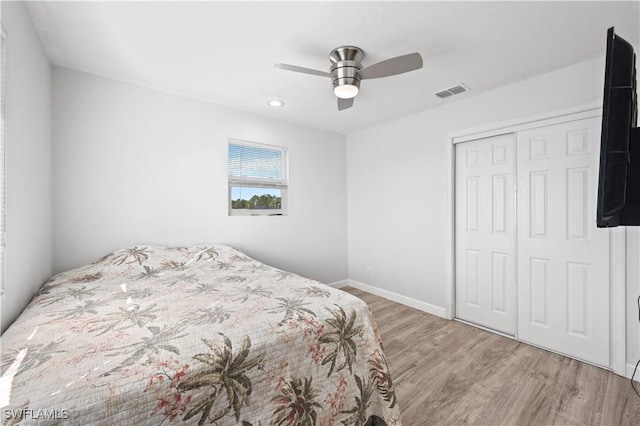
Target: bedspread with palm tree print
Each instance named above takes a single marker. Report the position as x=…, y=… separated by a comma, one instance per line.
x=195, y=335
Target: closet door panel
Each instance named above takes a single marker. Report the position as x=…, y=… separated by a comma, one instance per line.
x=563, y=259
x=485, y=233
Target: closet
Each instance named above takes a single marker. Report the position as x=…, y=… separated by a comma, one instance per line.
x=529, y=260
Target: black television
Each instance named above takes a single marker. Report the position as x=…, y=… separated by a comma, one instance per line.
x=619, y=177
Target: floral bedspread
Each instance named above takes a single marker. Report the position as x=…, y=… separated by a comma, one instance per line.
x=206, y=334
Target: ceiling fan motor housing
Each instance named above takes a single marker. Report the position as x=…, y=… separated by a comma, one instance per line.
x=346, y=64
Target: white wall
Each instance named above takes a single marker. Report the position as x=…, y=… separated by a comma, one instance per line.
x=133, y=165
x=399, y=183
x=27, y=162
x=633, y=292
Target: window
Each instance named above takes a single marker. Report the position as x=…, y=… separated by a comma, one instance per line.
x=2, y=80
x=257, y=179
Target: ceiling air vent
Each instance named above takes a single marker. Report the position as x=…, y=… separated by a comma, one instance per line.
x=461, y=88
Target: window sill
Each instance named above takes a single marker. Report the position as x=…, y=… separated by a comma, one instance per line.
x=257, y=213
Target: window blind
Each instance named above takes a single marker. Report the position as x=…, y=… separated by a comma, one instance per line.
x=250, y=163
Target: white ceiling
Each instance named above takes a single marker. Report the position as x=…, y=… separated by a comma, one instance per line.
x=224, y=52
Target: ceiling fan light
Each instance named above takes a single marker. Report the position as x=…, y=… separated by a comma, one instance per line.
x=346, y=91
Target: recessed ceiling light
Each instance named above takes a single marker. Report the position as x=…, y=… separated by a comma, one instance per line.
x=276, y=103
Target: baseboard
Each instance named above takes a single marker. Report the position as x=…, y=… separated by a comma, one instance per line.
x=339, y=284
x=630, y=368
x=408, y=301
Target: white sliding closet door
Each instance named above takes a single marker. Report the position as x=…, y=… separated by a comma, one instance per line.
x=485, y=232
x=563, y=259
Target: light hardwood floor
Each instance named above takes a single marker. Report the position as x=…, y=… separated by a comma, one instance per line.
x=449, y=373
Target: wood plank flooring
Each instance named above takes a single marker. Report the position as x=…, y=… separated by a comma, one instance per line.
x=449, y=373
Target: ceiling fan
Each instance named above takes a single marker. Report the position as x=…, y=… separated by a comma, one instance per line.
x=346, y=71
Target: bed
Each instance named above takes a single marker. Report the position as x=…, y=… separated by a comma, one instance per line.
x=194, y=335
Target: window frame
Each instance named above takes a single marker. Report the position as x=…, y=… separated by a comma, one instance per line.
x=3, y=75
x=281, y=184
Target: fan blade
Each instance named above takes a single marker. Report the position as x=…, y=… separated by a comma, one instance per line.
x=302, y=70
x=344, y=103
x=393, y=66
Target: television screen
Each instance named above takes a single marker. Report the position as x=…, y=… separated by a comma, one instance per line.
x=619, y=177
